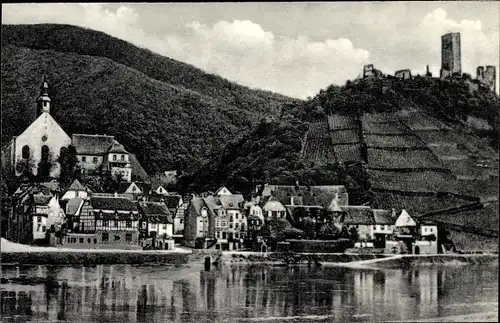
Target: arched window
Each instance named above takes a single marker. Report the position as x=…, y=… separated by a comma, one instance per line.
x=45, y=153
x=26, y=152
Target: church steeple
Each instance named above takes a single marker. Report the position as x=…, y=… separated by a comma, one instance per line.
x=43, y=101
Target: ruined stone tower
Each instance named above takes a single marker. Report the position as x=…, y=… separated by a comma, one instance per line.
x=487, y=76
x=450, y=55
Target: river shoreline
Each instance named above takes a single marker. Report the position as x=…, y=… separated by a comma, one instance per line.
x=87, y=257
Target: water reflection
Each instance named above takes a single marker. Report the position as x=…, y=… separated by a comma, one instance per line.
x=188, y=294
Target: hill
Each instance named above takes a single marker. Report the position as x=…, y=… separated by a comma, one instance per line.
x=170, y=114
x=394, y=144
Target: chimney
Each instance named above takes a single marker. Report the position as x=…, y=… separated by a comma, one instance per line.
x=116, y=194
x=393, y=213
x=297, y=185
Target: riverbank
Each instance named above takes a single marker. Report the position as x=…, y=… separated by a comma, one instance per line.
x=476, y=317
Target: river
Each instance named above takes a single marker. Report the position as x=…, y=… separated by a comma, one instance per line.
x=246, y=293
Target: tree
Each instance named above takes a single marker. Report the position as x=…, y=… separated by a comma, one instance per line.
x=68, y=161
x=329, y=232
x=308, y=225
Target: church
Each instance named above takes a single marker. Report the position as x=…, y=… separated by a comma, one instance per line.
x=41, y=144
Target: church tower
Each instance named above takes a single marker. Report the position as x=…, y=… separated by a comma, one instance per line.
x=43, y=101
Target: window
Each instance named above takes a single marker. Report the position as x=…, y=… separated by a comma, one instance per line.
x=236, y=225
x=105, y=236
x=128, y=237
x=274, y=214
x=236, y=234
x=230, y=225
x=114, y=157
x=39, y=219
x=117, y=238
x=39, y=227
x=44, y=228
x=374, y=227
x=89, y=240
x=236, y=216
x=81, y=240
x=217, y=235
x=223, y=235
x=129, y=224
x=164, y=227
x=26, y=152
x=105, y=223
x=95, y=241
x=45, y=153
x=425, y=229
x=116, y=223
x=181, y=220
x=122, y=157
x=84, y=159
x=94, y=160
x=230, y=218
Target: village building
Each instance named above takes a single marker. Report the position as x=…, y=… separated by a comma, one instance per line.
x=306, y=195
x=156, y=223
x=223, y=191
x=273, y=209
x=48, y=216
x=197, y=223
x=179, y=220
x=361, y=218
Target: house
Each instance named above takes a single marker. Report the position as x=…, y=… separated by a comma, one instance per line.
x=273, y=208
x=109, y=222
x=38, y=147
x=179, y=220
x=237, y=220
x=383, y=227
x=48, y=215
x=156, y=222
x=359, y=217
x=73, y=210
x=197, y=223
x=102, y=153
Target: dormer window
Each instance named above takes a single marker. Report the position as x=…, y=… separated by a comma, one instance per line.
x=114, y=157
x=122, y=157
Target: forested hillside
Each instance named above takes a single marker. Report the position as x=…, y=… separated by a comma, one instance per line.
x=393, y=143
x=170, y=114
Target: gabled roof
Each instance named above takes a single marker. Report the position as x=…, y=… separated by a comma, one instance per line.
x=73, y=206
x=357, y=215
x=405, y=220
x=231, y=201
x=76, y=186
x=223, y=190
x=383, y=217
x=118, y=148
x=112, y=204
x=334, y=206
x=156, y=211
x=53, y=186
x=42, y=200
x=92, y=144
x=171, y=201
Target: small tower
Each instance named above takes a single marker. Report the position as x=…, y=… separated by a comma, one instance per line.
x=43, y=101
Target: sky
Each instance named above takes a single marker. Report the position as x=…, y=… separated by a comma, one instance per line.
x=291, y=48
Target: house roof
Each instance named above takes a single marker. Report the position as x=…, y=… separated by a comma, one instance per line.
x=196, y=204
x=383, y=216
x=221, y=189
x=116, y=147
x=42, y=200
x=156, y=211
x=76, y=186
x=73, y=206
x=92, y=144
x=231, y=201
x=53, y=186
x=359, y=215
x=334, y=206
x=312, y=195
x=172, y=201
x=113, y=203
x=405, y=220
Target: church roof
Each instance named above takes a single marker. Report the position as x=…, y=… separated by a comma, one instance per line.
x=116, y=147
x=92, y=144
x=76, y=186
